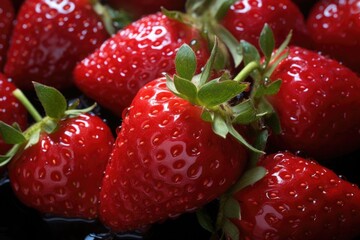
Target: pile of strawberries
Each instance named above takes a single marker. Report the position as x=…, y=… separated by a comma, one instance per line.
x=243, y=113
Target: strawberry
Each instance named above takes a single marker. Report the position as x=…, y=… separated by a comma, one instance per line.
x=167, y=160
x=245, y=20
x=139, y=53
x=317, y=106
x=334, y=26
x=11, y=111
x=56, y=166
x=181, y=134
x=297, y=199
x=7, y=16
x=138, y=8
x=46, y=46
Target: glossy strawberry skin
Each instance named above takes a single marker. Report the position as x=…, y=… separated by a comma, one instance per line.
x=138, y=8
x=166, y=161
x=62, y=173
x=50, y=37
x=335, y=28
x=136, y=55
x=7, y=16
x=245, y=20
x=317, y=105
x=298, y=199
x=11, y=110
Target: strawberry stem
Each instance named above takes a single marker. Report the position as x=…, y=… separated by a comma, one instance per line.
x=245, y=72
x=27, y=104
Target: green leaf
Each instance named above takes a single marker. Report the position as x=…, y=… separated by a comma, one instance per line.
x=271, y=119
x=10, y=134
x=52, y=100
x=33, y=138
x=282, y=47
x=249, y=178
x=193, y=5
x=186, y=88
x=215, y=93
x=250, y=53
x=242, y=106
x=278, y=56
x=221, y=8
x=170, y=84
x=231, y=230
x=260, y=143
x=204, y=220
x=176, y=15
x=272, y=66
x=220, y=126
x=4, y=159
x=77, y=112
x=232, y=208
x=74, y=104
x=207, y=116
x=270, y=89
x=205, y=75
x=267, y=42
x=49, y=126
x=241, y=139
x=185, y=62
x=245, y=113
x=273, y=122
x=16, y=126
x=231, y=42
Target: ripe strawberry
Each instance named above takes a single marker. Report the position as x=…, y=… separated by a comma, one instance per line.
x=57, y=165
x=11, y=111
x=46, y=46
x=298, y=199
x=245, y=20
x=317, y=105
x=167, y=160
x=139, y=53
x=334, y=26
x=7, y=16
x=138, y=8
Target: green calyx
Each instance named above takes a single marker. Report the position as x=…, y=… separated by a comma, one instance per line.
x=56, y=109
x=211, y=95
x=216, y=99
x=214, y=96
x=113, y=19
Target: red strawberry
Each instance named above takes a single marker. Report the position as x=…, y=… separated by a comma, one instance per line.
x=138, y=8
x=167, y=160
x=11, y=111
x=245, y=20
x=317, y=105
x=59, y=162
x=298, y=199
x=50, y=37
x=139, y=53
x=334, y=26
x=7, y=16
